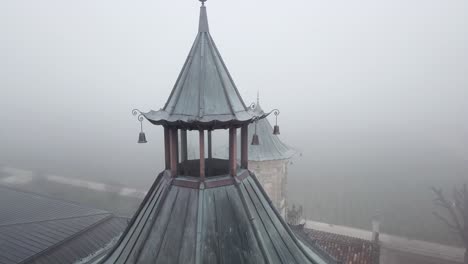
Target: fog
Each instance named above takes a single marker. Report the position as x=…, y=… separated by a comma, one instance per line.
x=372, y=93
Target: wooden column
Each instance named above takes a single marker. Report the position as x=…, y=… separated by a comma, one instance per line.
x=173, y=150
x=183, y=145
x=202, y=154
x=210, y=146
x=233, y=151
x=177, y=145
x=167, y=150
x=244, y=147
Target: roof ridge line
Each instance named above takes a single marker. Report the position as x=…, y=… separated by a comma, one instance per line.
x=168, y=221
x=253, y=224
x=236, y=218
x=269, y=216
x=285, y=225
x=199, y=234
x=202, y=76
x=187, y=207
x=49, y=197
x=160, y=195
x=275, y=247
x=213, y=51
x=127, y=229
x=217, y=229
x=187, y=63
x=230, y=77
x=35, y=256
x=54, y=219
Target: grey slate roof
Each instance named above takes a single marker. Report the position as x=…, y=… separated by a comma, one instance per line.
x=33, y=228
x=204, y=94
x=270, y=147
x=234, y=223
x=83, y=244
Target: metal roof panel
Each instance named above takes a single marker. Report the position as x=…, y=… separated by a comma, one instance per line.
x=205, y=93
x=233, y=223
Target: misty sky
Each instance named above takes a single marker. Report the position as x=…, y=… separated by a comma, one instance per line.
x=362, y=82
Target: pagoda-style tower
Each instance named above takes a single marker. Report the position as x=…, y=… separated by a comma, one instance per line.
x=207, y=211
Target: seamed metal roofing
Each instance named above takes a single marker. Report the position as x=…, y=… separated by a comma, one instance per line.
x=22, y=207
x=234, y=223
x=204, y=94
x=37, y=229
x=84, y=243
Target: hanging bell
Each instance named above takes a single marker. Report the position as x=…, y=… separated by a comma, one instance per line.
x=255, y=141
x=142, y=137
x=276, y=130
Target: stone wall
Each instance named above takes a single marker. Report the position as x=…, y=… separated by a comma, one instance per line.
x=272, y=174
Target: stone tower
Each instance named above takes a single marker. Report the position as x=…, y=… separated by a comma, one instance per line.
x=269, y=159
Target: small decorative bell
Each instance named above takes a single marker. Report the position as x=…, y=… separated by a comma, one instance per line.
x=255, y=141
x=276, y=130
x=142, y=138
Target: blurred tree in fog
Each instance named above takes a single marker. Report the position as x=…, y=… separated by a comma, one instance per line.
x=457, y=213
x=295, y=215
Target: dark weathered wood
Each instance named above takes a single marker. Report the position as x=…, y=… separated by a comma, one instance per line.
x=233, y=151
x=244, y=147
x=183, y=145
x=187, y=184
x=210, y=146
x=208, y=184
x=177, y=145
x=167, y=151
x=202, y=154
x=219, y=183
x=173, y=150
x=244, y=175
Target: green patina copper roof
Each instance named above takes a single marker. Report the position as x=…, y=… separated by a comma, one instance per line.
x=234, y=223
x=204, y=94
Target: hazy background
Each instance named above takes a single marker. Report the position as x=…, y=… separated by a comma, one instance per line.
x=373, y=93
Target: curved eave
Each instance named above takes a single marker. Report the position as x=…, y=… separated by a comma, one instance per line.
x=218, y=121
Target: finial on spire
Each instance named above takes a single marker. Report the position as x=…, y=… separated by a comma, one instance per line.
x=203, y=25
x=258, y=97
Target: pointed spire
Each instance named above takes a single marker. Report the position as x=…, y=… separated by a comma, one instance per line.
x=204, y=95
x=203, y=25
x=258, y=97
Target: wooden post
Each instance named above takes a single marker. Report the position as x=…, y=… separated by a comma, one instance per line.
x=210, y=153
x=183, y=145
x=177, y=145
x=233, y=151
x=202, y=154
x=173, y=150
x=167, y=150
x=244, y=147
